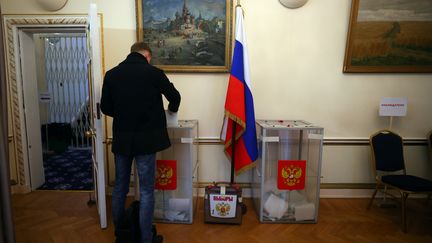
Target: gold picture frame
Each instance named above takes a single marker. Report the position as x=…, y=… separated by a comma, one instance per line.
x=187, y=36
x=387, y=36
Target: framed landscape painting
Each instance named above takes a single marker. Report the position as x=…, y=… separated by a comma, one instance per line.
x=186, y=35
x=389, y=36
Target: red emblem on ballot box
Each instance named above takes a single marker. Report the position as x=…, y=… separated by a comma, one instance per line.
x=291, y=174
x=166, y=175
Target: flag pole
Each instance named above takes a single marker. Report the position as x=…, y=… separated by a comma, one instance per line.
x=233, y=137
x=233, y=141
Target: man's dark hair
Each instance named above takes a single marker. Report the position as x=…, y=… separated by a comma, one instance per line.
x=139, y=46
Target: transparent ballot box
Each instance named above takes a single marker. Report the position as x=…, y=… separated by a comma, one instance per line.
x=176, y=173
x=286, y=179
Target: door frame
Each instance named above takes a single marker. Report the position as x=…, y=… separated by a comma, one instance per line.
x=12, y=25
x=29, y=44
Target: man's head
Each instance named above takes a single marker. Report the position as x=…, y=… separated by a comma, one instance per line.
x=143, y=49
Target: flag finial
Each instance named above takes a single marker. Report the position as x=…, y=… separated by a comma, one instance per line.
x=239, y=5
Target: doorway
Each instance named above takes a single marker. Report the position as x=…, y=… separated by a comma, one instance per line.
x=27, y=25
x=56, y=102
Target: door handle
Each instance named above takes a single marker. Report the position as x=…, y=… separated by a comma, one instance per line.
x=108, y=141
x=91, y=133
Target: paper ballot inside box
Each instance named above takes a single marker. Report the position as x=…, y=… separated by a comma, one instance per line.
x=171, y=118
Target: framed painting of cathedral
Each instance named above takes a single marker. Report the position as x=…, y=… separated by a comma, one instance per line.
x=187, y=35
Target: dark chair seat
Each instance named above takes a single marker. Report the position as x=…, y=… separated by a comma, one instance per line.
x=408, y=182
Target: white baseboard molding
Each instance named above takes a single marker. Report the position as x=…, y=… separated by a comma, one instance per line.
x=324, y=193
x=334, y=193
x=346, y=193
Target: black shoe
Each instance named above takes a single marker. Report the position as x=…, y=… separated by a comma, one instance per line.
x=157, y=239
x=154, y=231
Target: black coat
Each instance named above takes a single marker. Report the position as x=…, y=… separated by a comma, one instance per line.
x=132, y=95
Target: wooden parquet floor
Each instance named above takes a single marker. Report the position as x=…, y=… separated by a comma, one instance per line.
x=44, y=217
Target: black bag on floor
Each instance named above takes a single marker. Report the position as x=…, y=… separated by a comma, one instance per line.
x=128, y=231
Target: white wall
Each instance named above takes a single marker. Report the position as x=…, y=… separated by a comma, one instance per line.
x=296, y=59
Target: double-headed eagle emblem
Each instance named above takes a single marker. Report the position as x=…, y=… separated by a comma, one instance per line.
x=223, y=209
x=291, y=175
x=164, y=174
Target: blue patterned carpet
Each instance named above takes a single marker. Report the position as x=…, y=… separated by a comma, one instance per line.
x=70, y=170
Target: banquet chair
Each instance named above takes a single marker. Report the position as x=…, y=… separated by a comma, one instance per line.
x=390, y=171
x=429, y=140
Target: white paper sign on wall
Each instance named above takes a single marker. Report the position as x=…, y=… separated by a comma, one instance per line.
x=393, y=106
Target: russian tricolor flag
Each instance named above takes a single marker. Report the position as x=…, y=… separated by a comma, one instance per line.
x=239, y=106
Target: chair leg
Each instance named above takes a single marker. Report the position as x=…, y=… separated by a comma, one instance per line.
x=404, y=197
x=373, y=197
